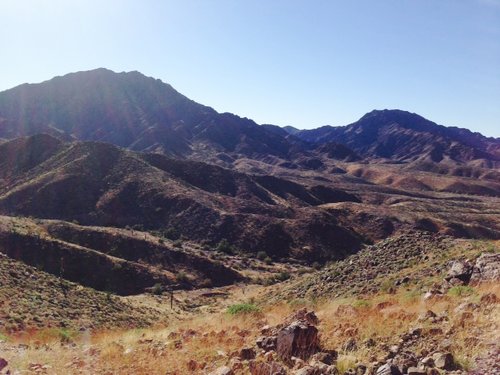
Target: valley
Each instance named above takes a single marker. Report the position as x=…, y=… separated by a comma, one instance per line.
x=142, y=232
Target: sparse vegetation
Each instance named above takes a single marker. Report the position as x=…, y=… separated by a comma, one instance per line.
x=243, y=308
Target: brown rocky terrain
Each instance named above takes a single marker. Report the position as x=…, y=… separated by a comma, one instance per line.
x=141, y=232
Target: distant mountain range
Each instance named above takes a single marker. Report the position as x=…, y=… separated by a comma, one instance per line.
x=144, y=114
x=87, y=153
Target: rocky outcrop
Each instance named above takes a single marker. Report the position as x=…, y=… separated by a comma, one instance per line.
x=486, y=268
x=299, y=339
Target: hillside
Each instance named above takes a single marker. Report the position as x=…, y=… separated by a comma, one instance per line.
x=102, y=185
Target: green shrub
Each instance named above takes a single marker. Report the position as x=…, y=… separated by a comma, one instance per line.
x=157, y=289
x=243, y=308
x=171, y=234
x=461, y=291
x=225, y=247
x=282, y=276
x=261, y=255
x=181, y=277
x=361, y=304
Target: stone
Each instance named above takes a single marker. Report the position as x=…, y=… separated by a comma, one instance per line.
x=460, y=270
x=325, y=357
x=266, y=343
x=263, y=368
x=427, y=361
x=299, y=339
x=247, y=353
x=350, y=345
x=416, y=371
x=236, y=364
x=388, y=369
x=489, y=299
x=443, y=361
x=486, y=268
x=3, y=363
x=361, y=369
x=192, y=365
x=224, y=370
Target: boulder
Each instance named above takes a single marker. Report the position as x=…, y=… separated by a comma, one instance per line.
x=443, y=361
x=3, y=363
x=459, y=270
x=486, y=268
x=416, y=371
x=489, y=299
x=266, y=368
x=247, y=353
x=299, y=339
x=266, y=343
x=224, y=370
x=388, y=369
x=325, y=357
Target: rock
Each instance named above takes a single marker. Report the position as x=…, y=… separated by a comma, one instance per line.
x=224, y=370
x=489, y=299
x=192, y=365
x=308, y=370
x=269, y=356
x=299, y=339
x=235, y=364
x=443, y=361
x=388, y=369
x=361, y=369
x=350, y=345
x=460, y=270
x=486, y=268
x=369, y=343
x=267, y=343
x=325, y=357
x=427, y=361
x=416, y=371
x=429, y=315
x=304, y=315
x=262, y=368
x=3, y=363
x=247, y=353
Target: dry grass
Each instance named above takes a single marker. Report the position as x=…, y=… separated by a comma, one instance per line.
x=208, y=341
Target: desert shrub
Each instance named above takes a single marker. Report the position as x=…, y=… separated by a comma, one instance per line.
x=361, y=304
x=171, y=234
x=268, y=260
x=316, y=266
x=243, y=308
x=66, y=336
x=282, y=276
x=261, y=255
x=387, y=286
x=181, y=277
x=461, y=291
x=225, y=247
x=157, y=289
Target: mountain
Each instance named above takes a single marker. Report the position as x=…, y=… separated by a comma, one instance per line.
x=96, y=183
x=133, y=111
x=407, y=137
x=144, y=114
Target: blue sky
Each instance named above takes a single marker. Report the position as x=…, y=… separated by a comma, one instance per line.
x=286, y=62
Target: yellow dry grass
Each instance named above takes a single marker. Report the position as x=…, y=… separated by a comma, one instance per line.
x=201, y=344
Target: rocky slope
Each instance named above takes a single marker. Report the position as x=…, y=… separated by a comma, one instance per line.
x=100, y=184
x=403, y=136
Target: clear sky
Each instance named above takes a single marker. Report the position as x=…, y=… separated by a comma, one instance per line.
x=303, y=63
